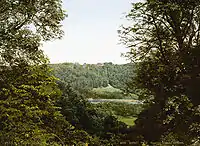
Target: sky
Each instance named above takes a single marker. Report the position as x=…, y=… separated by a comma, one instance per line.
x=90, y=32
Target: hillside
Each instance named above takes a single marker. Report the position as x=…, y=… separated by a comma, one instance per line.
x=89, y=76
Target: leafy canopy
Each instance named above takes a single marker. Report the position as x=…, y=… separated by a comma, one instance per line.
x=23, y=24
x=164, y=40
x=28, y=91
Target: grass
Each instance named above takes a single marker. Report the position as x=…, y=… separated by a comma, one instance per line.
x=107, y=89
x=127, y=120
x=114, y=93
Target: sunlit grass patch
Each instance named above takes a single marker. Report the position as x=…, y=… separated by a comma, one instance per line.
x=127, y=120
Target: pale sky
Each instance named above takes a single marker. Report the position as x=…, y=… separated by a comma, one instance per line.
x=90, y=32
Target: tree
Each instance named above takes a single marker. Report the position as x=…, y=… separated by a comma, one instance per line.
x=28, y=91
x=95, y=120
x=164, y=39
x=24, y=23
x=27, y=110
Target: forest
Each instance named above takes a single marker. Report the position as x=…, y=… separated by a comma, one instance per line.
x=89, y=76
x=47, y=104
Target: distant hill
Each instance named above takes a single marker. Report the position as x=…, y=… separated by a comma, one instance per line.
x=89, y=76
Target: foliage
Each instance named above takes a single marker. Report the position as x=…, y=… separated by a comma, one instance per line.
x=120, y=109
x=27, y=96
x=164, y=40
x=88, y=76
x=99, y=123
x=28, y=91
x=23, y=25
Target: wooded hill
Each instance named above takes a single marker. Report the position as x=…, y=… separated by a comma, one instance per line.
x=89, y=76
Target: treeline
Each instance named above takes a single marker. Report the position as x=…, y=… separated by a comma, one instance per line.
x=89, y=76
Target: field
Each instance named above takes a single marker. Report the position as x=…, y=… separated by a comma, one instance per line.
x=110, y=92
x=109, y=88
x=123, y=111
x=127, y=120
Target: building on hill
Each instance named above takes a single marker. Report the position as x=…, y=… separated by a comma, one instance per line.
x=84, y=65
x=100, y=64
